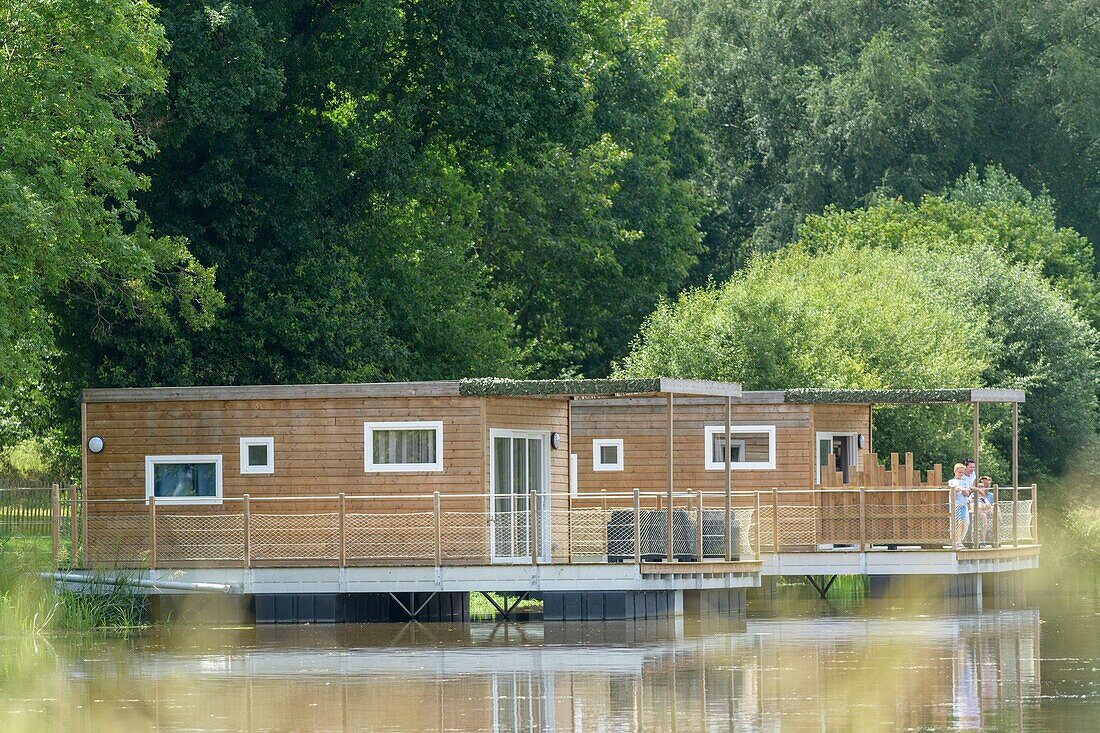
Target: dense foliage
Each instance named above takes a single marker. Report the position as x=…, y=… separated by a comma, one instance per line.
x=808, y=103
x=412, y=190
x=73, y=76
x=897, y=295
x=259, y=191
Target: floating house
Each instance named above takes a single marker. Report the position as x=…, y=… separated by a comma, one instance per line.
x=572, y=489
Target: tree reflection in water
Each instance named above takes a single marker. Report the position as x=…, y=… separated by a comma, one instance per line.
x=964, y=671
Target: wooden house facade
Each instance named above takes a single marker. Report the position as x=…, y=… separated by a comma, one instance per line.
x=492, y=471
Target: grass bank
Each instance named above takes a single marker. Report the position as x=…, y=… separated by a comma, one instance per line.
x=33, y=605
x=482, y=610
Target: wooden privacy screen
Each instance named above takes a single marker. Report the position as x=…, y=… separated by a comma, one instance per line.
x=890, y=514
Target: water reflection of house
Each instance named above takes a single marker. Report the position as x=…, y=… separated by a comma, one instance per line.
x=760, y=674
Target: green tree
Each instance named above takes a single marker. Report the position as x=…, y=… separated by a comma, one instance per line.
x=406, y=190
x=74, y=77
x=840, y=319
x=588, y=236
x=818, y=102
x=301, y=155
x=896, y=295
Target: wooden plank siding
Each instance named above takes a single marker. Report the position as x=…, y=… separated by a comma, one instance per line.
x=640, y=423
x=318, y=451
x=319, y=446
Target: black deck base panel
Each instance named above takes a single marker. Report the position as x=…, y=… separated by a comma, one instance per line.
x=607, y=605
x=334, y=608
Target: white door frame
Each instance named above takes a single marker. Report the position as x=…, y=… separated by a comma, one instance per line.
x=543, y=506
x=829, y=435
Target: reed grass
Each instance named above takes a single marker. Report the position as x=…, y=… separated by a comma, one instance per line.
x=32, y=605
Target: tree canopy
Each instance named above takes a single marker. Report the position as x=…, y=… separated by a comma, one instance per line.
x=816, y=102
x=273, y=191
x=894, y=296
x=75, y=75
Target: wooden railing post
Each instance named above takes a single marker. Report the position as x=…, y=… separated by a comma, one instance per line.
x=55, y=524
x=247, y=532
x=153, y=532
x=1016, y=515
x=436, y=508
x=775, y=520
x=534, y=533
x=996, y=517
x=699, y=527
x=343, y=531
x=757, y=522
x=84, y=525
x=637, y=528
x=74, y=528
x=1035, y=514
x=862, y=518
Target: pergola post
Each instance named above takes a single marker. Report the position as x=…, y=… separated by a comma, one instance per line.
x=669, y=542
x=977, y=473
x=729, y=482
x=1015, y=472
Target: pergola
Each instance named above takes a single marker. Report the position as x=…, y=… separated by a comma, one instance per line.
x=732, y=392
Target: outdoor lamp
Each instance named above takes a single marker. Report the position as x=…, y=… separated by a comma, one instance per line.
x=95, y=444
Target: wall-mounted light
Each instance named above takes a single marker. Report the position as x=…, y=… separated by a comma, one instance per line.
x=95, y=444
x=860, y=440
x=555, y=440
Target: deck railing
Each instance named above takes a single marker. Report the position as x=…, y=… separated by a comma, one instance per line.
x=440, y=529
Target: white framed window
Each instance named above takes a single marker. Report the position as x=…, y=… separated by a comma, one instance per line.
x=257, y=455
x=752, y=447
x=607, y=454
x=403, y=446
x=184, y=479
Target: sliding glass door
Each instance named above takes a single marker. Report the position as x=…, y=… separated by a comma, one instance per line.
x=520, y=465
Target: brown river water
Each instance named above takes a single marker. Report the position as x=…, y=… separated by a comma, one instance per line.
x=799, y=664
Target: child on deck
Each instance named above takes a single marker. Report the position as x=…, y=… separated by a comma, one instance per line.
x=960, y=491
x=983, y=508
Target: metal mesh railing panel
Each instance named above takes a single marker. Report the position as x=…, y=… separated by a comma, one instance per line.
x=901, y=523
x=465, y=537
x=405, y=536
x=511, y=534
x=798, y=526
x=200, y=537
x=746, y=523
x=120, y=540
x=840, y=524
x=588, y=533
x=296, y=537
x=1021, y=512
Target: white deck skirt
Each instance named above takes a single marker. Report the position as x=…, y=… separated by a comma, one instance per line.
x=900, y=562
x=616, y=577
x=602, y=577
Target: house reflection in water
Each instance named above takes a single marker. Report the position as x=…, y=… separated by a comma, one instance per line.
x=968, y=670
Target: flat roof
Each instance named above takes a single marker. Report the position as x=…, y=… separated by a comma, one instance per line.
x=598, y=387
x=901, y=396
x=563, y=388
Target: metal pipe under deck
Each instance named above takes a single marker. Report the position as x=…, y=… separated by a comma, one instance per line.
x=119, y=581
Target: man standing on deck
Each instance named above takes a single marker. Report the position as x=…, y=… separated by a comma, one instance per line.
x=969, y=477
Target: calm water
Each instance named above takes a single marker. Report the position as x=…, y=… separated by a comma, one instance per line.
x=805, y=666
